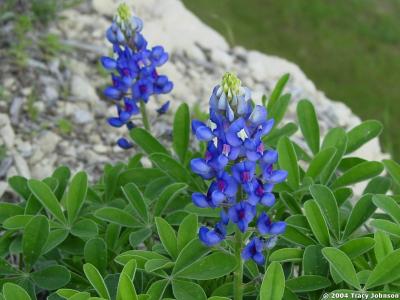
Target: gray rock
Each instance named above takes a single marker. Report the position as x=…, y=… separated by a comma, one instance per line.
x=83, y=90
x=15, y=109
x=82, y=117
x=5, y=165
x=7, y=135
x=21, y=166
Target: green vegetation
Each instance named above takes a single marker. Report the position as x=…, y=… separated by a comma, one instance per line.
x=349, y=48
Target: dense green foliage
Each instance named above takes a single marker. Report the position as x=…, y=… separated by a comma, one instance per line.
x=133, y=234
x=349, y=48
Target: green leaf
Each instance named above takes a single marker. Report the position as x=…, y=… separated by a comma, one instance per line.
x=273, y=284
x=17, y=222
x=84, y=228
x=187, y=231
x=94, y=277
x=167, y=236
x=191, y=253
x=386, y=271
x=277, y=91
x=358, y=246
x=327, y=203
x=387, y=226
x=314, y=262
x=95, y=252
x=212, y=266
x=76, y=195
x=62, y=175
x=320, y=162
x=139, y=176
x=307, y=283
x=286, y=255
x=13, y=291
x=52, y=277
x=130, y=269
x=342, y=265
x=8, y=210
x=383, y=245
x=20, y=185
x=361, y=212
x=136, y=200
x=295, y=236
x=55, y=238
x=47, y=198
x=317, y=222
x=7, y=269
x=360, y=172
x=126, y=290
x=290, y=202
x=363, y=133
x=394, y=169
x=146, y=141
x=181, y=131
x=184, y=290
x=336, y=138
x=279, y=109
x=139, y=236
x=34, y=239
x=288, y=162
x=157, y=264
x=173, y=169
x=157, y=289
x=168, y=195
x=277, y=133
x=388, y=205
x=309, y=124
x=378, y=185
x=116, y=216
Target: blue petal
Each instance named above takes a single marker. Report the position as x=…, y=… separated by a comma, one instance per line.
x=108, y=63
x=124, y=143
x=278, y=228
x=113, y=93
x=270, y=157
x=199, y=200
x=115, y=122
x=259, y=259
x=268, y=199
x=259, y=115
x=278, y=176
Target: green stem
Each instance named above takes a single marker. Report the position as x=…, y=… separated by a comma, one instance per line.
x=238, y=275
x=145, y=119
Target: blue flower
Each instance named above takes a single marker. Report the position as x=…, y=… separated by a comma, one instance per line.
x=142, y=89
x=133, y=67
x=242, y=214
x=200, y=167
x=202, y=131
x=253, y=250
x=244, y=172
x=237, y=133
x=124, y=143
x=265, y=226
x=163, y=108
x=212, y=237
x=262, y=193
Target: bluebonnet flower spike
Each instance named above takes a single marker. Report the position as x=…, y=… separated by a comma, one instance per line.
x=237, y=160
x=133, y=69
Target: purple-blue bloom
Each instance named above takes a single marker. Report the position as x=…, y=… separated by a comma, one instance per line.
x=265, y=225
x=239, y=166
x=133, y=68
x=253, y=250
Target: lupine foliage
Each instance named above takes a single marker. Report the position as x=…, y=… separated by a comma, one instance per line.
x=133, y=234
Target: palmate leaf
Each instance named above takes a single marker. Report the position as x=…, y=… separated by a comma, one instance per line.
x=184, y=290
x=388, y=205
x=136, y=200
x=386, y=271
x=277, y=91
x=181, y=131
x=273, y=284
x=288, y=161
x=167, y=236
x=94, y=277
x=286, y=255
x=146, y=141
x=12, y=291
x=52, y=277
x=317, y=222
x=47, y=198
x=95, y=252
x=383, y=245
x=363, y=133
x=76, y=195
x=342, y=265
x=34, y=239
x=394, y=169
x=307, y=283
x=320, y=161
x=358, y=173
x=308, y=124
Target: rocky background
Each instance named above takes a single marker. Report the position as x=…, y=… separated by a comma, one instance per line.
x=52, y=111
